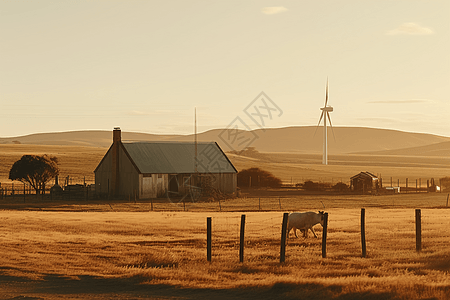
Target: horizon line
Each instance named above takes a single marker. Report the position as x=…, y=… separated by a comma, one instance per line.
x=208, y=130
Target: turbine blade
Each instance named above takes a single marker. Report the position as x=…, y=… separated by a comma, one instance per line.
x=331, y=125
x=326, y=97
x=318, y=124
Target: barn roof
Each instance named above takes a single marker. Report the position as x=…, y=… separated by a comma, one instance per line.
x=178, y=157
x=365, y=175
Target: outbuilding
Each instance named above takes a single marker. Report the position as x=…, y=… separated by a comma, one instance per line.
x=364, y=182
x=160, y=169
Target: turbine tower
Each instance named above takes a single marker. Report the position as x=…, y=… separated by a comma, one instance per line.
x=325, y=114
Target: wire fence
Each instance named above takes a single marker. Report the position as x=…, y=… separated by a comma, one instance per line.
x=402, y=184
x=70, y=189
x=262, y=236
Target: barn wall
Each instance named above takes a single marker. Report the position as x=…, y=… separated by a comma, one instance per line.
x=103, y=175
x=128, y=177
x=152, y=185
x=225, y=182
x=364, y=184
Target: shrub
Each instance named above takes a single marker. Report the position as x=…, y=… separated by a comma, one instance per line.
x=340, y=186
x=255, y=177
x=310, y=185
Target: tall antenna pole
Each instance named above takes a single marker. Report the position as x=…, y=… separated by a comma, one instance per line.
x=325, y=146
x=195, y=142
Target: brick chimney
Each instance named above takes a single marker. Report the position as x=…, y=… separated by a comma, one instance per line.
x=115, y=176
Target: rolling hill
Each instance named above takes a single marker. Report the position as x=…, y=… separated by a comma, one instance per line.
x=290, y=139
x=438, y=149
x=293, y=154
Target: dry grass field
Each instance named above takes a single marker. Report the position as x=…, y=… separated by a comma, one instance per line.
x=80, y=162
x=121, y=249
x=92, y=252
x=74, y=161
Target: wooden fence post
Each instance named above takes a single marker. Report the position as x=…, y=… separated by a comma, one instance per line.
x=418, y=231
x=241, y=239
x=279, y=201
x=324, y=235
x=259, y=203
x=220, y=205
x=363, y=231
x=406, y=185
x=283, y=238
x=447, y=199
x=24, y=193
x=151, y=201
x=208, y=238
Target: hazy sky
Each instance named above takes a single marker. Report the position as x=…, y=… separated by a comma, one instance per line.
x=145, y=65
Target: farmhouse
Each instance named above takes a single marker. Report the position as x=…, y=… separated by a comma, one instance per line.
x=157, y=169
x=364, y=182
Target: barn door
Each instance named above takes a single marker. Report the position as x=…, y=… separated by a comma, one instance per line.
x=173, y=183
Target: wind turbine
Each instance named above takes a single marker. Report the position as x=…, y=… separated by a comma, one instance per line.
x=325, y=114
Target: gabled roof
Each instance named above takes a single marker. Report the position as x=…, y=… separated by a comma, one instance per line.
x=178, y=157
x=365, y=175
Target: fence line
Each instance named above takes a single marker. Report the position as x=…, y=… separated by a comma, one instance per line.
x=241, y=229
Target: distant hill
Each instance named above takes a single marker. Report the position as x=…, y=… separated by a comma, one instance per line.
x=440, y=149
x=94, y=138
x=290, y=139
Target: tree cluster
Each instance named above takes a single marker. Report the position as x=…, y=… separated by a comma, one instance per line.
x=310, y=185
x=255, y=177
x=35, y=170
x=248, y=151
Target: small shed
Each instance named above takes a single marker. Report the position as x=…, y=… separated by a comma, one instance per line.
x=364, y=182
x=159, y=169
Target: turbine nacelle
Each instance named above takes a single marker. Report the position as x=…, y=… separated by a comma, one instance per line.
x=327, y=108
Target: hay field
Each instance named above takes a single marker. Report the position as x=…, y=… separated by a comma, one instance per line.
x=74, y=161
x=300, y=167
x=120, y=249
x=162, y=255
x=79, y=162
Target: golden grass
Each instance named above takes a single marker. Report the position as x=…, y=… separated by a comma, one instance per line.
x=79, y=162
x=160, y=250
x=119, y=249
x=257, y=200
x=297, y=168
x=74, y=161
